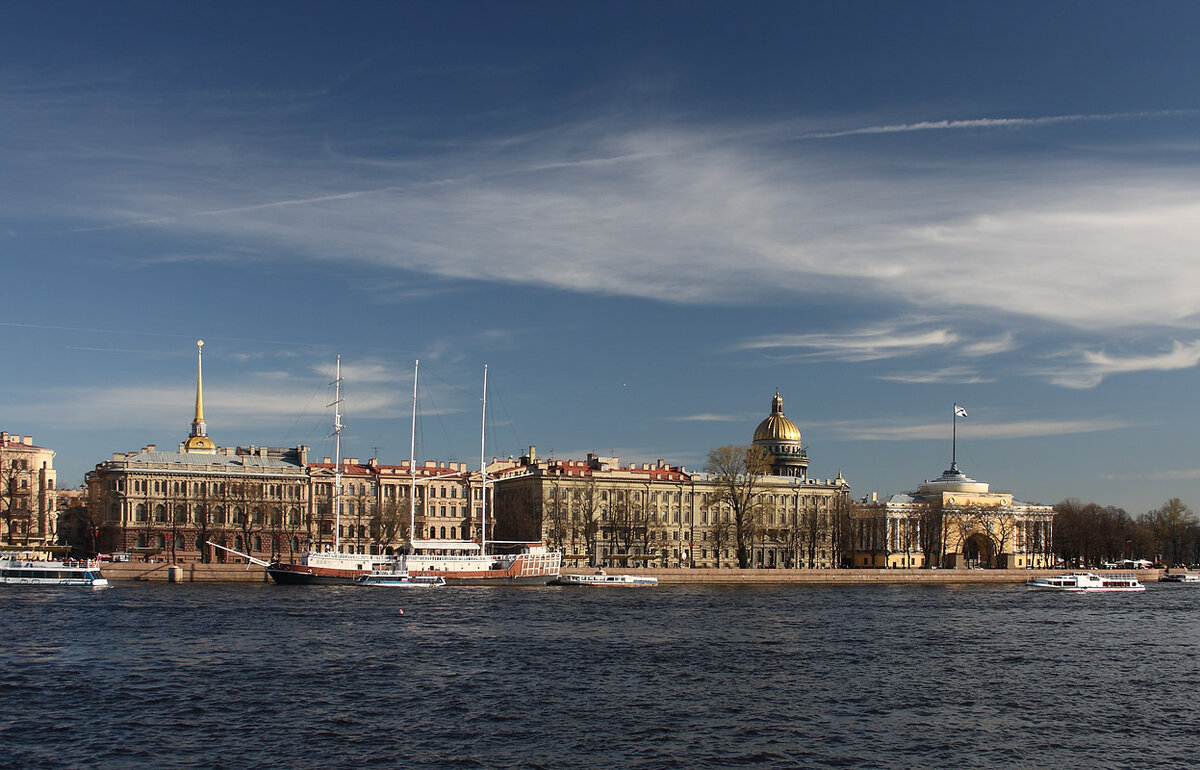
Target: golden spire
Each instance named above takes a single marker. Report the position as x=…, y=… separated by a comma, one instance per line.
x=199, y=383
x=199, y=441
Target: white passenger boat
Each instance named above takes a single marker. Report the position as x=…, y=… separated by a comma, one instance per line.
x=1086, y=582
x=34, y=568
x=603, y=579
x=1179, y=577
x=400, y=580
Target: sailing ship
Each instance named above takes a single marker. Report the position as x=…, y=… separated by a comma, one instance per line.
x=458, y=562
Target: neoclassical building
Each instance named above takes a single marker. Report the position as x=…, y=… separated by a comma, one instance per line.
x=599, y=512
x=28, y=513
x=271, y=501
x=953, y=521
x=251, y=499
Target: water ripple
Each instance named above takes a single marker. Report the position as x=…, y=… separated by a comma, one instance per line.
x=697, y=677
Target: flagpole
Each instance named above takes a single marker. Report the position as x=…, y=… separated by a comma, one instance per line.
x=954, y=438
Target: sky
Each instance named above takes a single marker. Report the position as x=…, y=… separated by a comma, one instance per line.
x=644, y=218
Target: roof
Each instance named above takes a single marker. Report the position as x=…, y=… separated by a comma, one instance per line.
x=220, y=461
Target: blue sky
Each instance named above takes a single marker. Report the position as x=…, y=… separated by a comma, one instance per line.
x=644, y=217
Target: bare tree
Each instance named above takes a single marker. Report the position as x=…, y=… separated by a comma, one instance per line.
x=387, y=524
x=931, y=521
x=557, y=517
x=721, y=528
x=738, y=472
x=841, y=531
x=589, y=512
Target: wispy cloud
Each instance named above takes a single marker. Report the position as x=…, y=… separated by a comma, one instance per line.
x=977, y=430
x=709, y=417
x=959, y=375
x=1095, y=366
x=680, y=213
x=863, y=345
x=969, y=123
x=1191, y=474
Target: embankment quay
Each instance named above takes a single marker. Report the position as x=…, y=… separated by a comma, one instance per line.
x=241, y=573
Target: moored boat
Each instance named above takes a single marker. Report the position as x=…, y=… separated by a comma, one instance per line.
x=603, y=579
x=456, y=562
x=1179, y=577
x=400, y=580
x=1086, y=582
x=34, y=568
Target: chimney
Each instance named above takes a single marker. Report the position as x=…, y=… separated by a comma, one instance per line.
x=29, y=441
x=532, y=455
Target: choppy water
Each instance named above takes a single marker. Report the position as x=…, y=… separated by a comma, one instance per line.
x=796, y=676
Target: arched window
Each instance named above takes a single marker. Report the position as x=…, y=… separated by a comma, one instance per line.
x=257, y=543
x=452, y=536
x=141, y=540
x=295, y=517
x=295, y=544
x=432, y=533
x=180, y=514
x=139, y=513
x=237, y=543
x=160, y=541
x=218, y=515
x=160, y=512
x=443, y=533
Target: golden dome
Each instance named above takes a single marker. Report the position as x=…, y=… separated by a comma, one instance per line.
x=777, y=427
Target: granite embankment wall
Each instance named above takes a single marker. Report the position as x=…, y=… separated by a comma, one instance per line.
x=194, y=572
x=852, y=576
x=185, y=572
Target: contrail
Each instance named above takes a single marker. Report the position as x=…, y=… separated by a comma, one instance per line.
x=943, y=125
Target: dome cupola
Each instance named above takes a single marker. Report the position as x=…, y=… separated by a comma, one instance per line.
x=781, y=438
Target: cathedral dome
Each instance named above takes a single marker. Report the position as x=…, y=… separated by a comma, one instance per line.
x=777, y=427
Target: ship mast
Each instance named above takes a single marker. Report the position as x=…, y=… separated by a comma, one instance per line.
x=483, y=468
x=412, y=467
x=337, y=452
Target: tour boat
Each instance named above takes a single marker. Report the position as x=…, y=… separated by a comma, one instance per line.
x=1179, y=577
x=1086, y=582
x=399, y=580
x=603, y=579
x=33, y=568
x=457, y=562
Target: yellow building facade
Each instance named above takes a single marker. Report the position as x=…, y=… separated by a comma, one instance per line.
x=953, y=522
x=599, y=512
x=28, y=510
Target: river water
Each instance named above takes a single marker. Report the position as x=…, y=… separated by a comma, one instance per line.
x=158, y=675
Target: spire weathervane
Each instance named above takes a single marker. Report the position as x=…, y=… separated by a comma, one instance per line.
x=198, y=440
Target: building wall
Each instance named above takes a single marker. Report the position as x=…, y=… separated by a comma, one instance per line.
x=899, y=535
x=599, y=513
x=250, y=499
x=28, y=510
x=377, y=504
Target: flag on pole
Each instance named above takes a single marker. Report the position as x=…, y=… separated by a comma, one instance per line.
x=959, y=411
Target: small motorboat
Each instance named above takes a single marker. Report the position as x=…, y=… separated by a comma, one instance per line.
x=1086, y=582
x=602, y=578
x=400, y=580
x=1179, y=577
